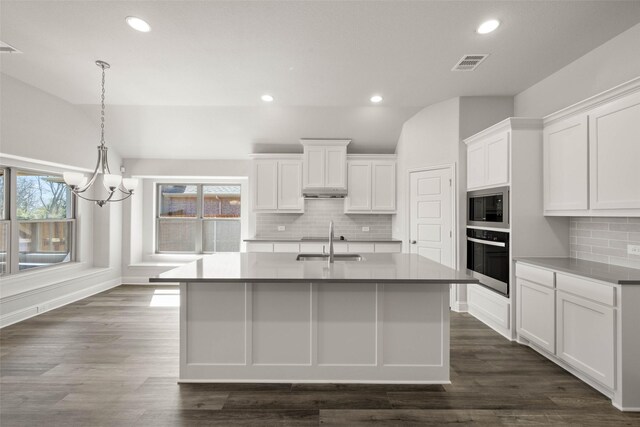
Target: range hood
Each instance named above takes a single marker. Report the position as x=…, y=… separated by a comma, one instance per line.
x=324, y=168
x=325, y=193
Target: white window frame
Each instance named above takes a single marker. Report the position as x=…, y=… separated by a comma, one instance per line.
x=11, y=217
x=199, y=218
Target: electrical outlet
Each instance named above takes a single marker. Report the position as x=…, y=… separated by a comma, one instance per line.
x=633, y=250
x=281, y=228
x=365, y=228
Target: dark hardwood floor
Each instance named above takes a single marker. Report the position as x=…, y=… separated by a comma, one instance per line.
x=112, y=360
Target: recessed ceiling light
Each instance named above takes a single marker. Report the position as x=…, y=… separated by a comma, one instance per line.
x=138, y=24
x=488, y=26
x=267, y=98
x=375, y=99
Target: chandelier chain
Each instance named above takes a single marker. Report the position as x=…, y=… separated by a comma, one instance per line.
x=102, y=111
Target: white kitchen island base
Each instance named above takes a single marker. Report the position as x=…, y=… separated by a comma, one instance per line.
x=266, y=317
x=314, y=332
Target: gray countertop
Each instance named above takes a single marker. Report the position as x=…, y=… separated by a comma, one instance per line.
x=594, y=270
x=279, y=267
x=321, y=240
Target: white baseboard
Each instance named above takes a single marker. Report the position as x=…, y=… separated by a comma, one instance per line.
x=144, y=280
x=460, y=307
x=7, y=319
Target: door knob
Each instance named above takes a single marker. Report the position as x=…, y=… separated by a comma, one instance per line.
x=413, y=242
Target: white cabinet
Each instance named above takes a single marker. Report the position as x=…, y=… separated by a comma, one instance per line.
x=277, y=185
x=535, y=313
x=591, y=156
x=290, y=185
x=383, y=188
x=586, y=337
x=488, y=161
x=265, y=185
x=372, y=186
x=359, y=188
x=566, y=166
x=259, y=247
x=614, y=147
x=325, y=164
x=573, y=319
x=497, y=162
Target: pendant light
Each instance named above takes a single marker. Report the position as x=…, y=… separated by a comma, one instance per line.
x=118, y=189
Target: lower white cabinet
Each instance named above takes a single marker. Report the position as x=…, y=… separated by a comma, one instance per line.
x=535, y=313
x=579, y=323
x=339, y=247
x=586, y=337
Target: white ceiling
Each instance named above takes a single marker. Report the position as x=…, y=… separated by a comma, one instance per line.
x=195, y=80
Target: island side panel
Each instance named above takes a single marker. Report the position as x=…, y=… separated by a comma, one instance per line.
x=315, y=332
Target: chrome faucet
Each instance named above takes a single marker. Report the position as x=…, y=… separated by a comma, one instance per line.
x=331, y=242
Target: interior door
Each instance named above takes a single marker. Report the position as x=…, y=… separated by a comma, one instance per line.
x=431, y=215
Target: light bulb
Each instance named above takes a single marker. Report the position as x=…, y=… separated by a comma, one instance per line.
x=376, y=99
x=74, y=179
x=488, y=26
x=138, y=24
x=111, y=181
x=130, y=183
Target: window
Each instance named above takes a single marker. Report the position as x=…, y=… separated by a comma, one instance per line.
x=198, y=218
x=39, y=213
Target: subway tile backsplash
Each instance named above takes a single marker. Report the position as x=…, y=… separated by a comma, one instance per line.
x=315, y=222
x=604, y=239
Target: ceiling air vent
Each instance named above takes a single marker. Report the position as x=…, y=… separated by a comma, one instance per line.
x=470, y=62
x=7, y=48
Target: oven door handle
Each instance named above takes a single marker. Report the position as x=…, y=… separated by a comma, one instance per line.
x=487, y=242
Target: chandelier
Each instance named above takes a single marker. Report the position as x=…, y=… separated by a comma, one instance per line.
x=118, y=189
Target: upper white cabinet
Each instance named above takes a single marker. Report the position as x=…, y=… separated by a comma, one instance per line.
x=488, y=161
x=591, y=156
x=566, y=165
x=371, y=185
x=325, y=163
x=277, y=184
x=614, y=145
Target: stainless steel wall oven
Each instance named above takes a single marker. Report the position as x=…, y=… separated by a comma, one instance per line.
x=488, y=258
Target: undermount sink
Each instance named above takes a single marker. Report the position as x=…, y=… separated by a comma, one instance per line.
x=325, y=257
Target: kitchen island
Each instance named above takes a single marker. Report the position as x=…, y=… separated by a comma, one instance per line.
x=266, y=317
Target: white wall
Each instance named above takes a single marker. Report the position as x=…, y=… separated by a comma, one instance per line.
x=139, y=262
x=42, y=132
x=613, y=63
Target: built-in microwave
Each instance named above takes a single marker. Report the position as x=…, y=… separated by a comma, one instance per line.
x=488, y=208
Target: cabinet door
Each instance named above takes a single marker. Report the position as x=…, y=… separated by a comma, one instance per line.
x=476, y=165
x=566, y=165
x=265, y=185
x=586, y=337
x=359, y=189
x=314, y=167
x=361, y=248
x=536, y=314
x=286, y=247
x=335, y=167
x=497, y=160
x=614, y=153
x=290, y=185
x=259, y=247
x=383, y=189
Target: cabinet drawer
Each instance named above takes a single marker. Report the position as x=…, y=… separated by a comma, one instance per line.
x=314, y=248
x=259, y=247
x=388, y=248
x=286, y=247
x=533, y=274
x=339, y=248
x=586, y=289
x=357, y=248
